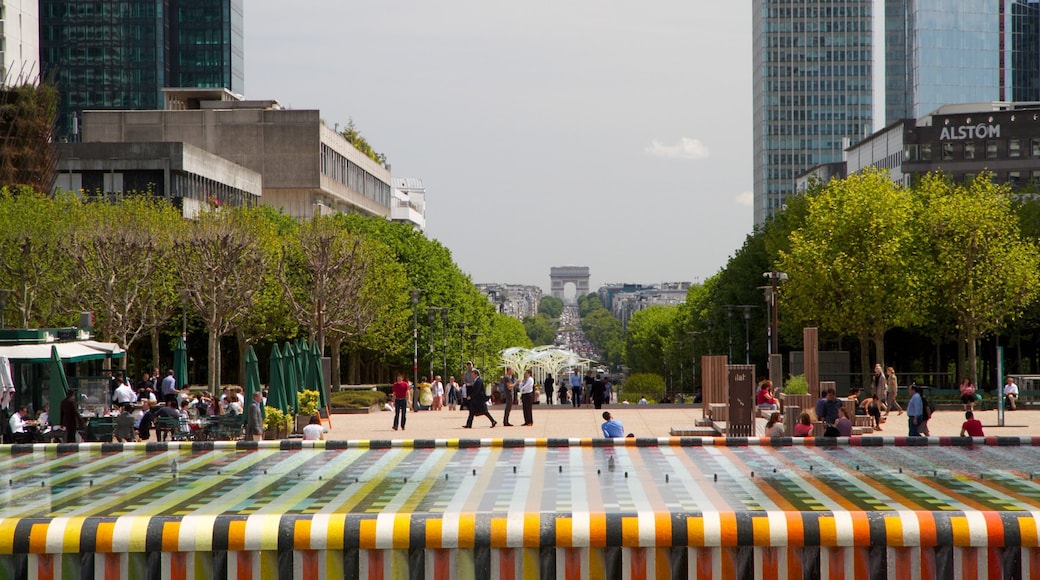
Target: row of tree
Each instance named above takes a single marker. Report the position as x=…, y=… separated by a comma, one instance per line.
x=936, y=268
x=345, y=281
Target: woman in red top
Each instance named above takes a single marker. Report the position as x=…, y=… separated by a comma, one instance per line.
x=764, y=398
x=401, y=392
x=804, y=428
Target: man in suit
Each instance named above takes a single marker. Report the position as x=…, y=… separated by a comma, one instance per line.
x=255, y=418
x=478, y=402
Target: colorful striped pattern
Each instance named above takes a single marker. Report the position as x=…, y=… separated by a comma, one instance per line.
x=670, y=507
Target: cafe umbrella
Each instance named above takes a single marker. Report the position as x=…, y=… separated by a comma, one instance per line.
x=58, y=387
x=276, y=382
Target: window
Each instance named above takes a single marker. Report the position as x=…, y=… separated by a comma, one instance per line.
x=991, y=149
x=1015, y=148
x=1015, y=178
x=926, y=152
x=947, y=151
x=969, y=150
x=1035, y=147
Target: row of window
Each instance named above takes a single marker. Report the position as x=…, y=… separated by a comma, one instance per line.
x=990, y=149
x=819, y=71
x=817, y=100
x=816, y=26
x=792, y=42
x=811, y=56
x=777, y=10
x=815, y=86
x=342, y=170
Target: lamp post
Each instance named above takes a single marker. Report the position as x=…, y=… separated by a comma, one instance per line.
x=185, y=297
x=415, y=292
x=693, y=356
x=747, y=335
x=444, y=351
x=462, y=345
x=431, y=313
x=772, y=296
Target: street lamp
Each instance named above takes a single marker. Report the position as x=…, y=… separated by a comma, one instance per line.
x=772, y=295
x=415, y=293
x=747, y=335
x=693, y=355
x=185, y=297
x=462, y=345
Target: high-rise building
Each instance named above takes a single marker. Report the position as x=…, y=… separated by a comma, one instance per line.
x=813, y=89
x=1025, y=50
x=120, y=55
x=19, y=41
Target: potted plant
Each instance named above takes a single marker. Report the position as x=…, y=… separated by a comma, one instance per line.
x=308, y=408
x=275, y=426
x=796, y=393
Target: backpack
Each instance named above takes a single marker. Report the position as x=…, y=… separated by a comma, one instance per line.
x=927, y=406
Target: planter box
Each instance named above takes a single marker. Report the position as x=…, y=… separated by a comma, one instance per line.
x=803, y=402
x=377, y=408
x=275, y=434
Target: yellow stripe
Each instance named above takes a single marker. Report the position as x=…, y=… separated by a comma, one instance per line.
x=961, y=531
x=70, y=541
x=498, y=532
x=237, y=535
x=828, y=531
x=1027, y=532
x=532, y=529
x=564, y=532
x=467, y=530
x=402, y=530
x=630, y=531
x=435, y=533
x=367, y=535
x=894, y=530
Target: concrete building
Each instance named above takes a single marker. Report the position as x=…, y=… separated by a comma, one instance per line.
x=409, y=202
x=514, y=300
x=624, y=300
x=304, y=164
x=190, y=177
x=19, y=41
x=121, y=55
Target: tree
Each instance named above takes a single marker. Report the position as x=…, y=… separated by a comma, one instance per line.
x=222, y=261
x=649, y=338
x=27, y=152
x=605, y=333
x=550, y=306
x=980, y=267
x=853, y=266
x=540, y=329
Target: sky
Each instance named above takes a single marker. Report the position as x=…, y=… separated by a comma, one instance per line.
x=613, y=135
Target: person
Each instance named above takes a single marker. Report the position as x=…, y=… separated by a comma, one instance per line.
x=587, y=392
x=526, y=391
x=168, y=388
x=255, y=418
x=453, y=394
x=425, y=395
x=892, y=388
x=124, y=429
x=467, y=384
x=873, y=404
x=314, y=431
x=145, y=385
x=611, y=426
x=878, y=384
x=775, y=425
x=804, y=428
x=124, y=394
x=506, y=386
x=598, y=391
x=562, y=392
x=643, y=401
x=967, y=391
x=1010, y=393
x=478, y=402
x=71, y=420
x=764, y=399
x=608, y=387
x=159, y=413
x=43, y=418
x=843, y=424
x=575, y=389
x=438, y=393
x=18, y=423
x=232, y=406
x=401, y=391
x=915, y=411
x=971, y=427
x=827, y=408
x=547, y=387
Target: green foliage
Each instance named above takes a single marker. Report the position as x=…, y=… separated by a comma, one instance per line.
x=276, y=420
x=588, y=303
x=649, y=338
x=27, y=152
x=551, y=306
x=353, y=135
x=796, y=385
x=605, y=333
x=356, y=399
x=541, y=329
x=309, y=401
x=649, y=385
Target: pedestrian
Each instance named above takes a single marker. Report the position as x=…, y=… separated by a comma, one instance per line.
x=892, y=386
x=478, y=402
x=877, y=381
x=438, y=393
x=467, y=384
x=587, y=393
x=453, y=394
x=598, y=391
x=575, y=389
x=547, y=388
x=506, y=386
x=526, y=391
x=915, y=411
x=401, y=390
x=255, y=418
x=971, y=427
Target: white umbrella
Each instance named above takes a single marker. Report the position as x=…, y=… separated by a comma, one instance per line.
x=6, y=383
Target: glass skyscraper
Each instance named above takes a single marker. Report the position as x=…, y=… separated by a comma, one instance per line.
x=813, y=89
x=120, y=55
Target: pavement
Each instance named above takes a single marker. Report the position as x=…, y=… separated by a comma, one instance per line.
x=641, y=420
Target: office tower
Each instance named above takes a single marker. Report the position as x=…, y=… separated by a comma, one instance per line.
x=1025, y=50
x=19, y=41
x=120, y=55
x=812, y=89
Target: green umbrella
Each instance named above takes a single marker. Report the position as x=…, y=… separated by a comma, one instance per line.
x=180, y=364
x=58, y=388
x=252, y=382
x=302, y=354
x=292, y=380
x=315, y=374
x=276, y=382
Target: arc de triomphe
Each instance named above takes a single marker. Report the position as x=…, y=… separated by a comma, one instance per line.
x=561, y=275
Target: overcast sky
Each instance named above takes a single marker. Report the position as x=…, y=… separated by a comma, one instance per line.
x=614, y=135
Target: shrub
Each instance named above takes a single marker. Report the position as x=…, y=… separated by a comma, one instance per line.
x=797, y=385
x=649, y=385
x=309, y=401
x=275, y=420
x=357, y=399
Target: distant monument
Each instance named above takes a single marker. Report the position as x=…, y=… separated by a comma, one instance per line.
x=561, y=275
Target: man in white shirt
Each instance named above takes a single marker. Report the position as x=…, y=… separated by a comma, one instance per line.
x=1010, y=393
x=124, y=394
x=168, y=388
x=18, y=422
x=527, y=398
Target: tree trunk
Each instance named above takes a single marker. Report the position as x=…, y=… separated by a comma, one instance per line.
x=973, y=369
x=243, y=348
x=213, y=372
x=334, y=366
x=154, y=334
x=354, y=364
x=879, y=350
x=864, y=360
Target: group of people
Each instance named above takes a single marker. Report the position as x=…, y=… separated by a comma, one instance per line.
x=593, y=389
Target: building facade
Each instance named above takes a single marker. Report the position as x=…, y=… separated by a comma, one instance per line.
x=516, y=300
x=305, y=165
x=813, y=89
x=120, y=55
x=19, y=41
x=409, y=202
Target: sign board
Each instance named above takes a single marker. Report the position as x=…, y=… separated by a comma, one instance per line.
x=741, y=401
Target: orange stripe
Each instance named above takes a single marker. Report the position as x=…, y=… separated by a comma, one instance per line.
x=112, y=569
x=498, y=533
x=309, y=563
x=903, y=561
x=38, y=539
x=835, y=562
x=441, y=563
x=302, y=535
x=237, y=535
x=760, y=530
x=103, y=537
x=926, y=525
x=572, y=563
x=728, y=527
x=927, y=562
x=993, y=567
x=663, y=528
x=794, y=563
x=171, y=532
x=598, y=530
x=860, y=528
x=245, y=564
x=662, y=562
x=1027, y=532
x=1034, y=561
x=630, y=532
x=532, y=529
x=45, y=566
x=506, y=563
x=795, y=529
x=770, y=563
x=994, y=529
x=375, y=564
x=860, y=560
x=564, y=532
x=970, y=564
x=695, y=530
x=367, y=534
x=434, y=533
x=467, y=530
x=729, y=565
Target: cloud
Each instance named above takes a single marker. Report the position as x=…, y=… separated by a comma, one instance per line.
x=745, y=198
x=686, y=148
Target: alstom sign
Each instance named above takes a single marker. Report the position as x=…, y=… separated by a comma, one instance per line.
x=980, y=131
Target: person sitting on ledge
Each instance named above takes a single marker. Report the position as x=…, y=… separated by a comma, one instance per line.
x=611, y=426
x=804, y=428
x=972, y=427
x=764, y=398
